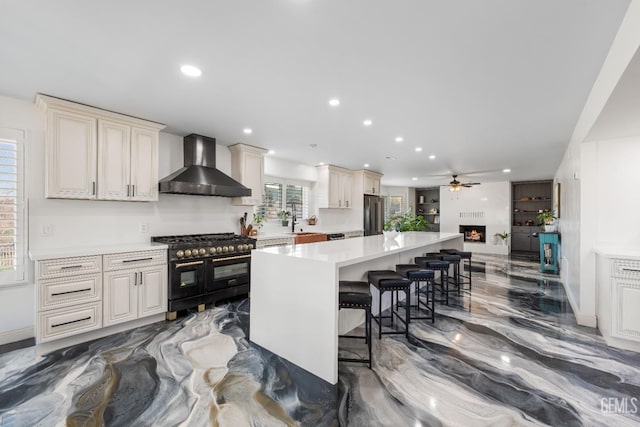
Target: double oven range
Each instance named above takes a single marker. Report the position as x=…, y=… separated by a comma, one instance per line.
x=205, y=268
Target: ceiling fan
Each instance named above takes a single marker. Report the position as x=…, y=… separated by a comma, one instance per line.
x=456, y=185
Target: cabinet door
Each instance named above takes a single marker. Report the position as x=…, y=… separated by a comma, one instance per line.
x=152, y=291
x=144, y=165
x=520, y=241
x=114, y=160
x=71, y=155
x=120, y=297
x=346, y=187
x=254, y=177
x=335, y=190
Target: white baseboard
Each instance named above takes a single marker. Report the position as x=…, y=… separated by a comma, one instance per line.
x=589, y=320
x=17, y=335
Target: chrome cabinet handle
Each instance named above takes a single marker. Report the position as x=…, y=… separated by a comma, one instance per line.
x=69, y=267
x=137, y=260
x=133, y=190
x=69, y=292
x=73, y=321
x=93, y=188
x=633, y=270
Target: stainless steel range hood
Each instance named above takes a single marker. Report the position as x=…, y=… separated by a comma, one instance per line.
x=199, y=175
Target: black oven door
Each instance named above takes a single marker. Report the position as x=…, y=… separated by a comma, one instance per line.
x=227, y=272
x=186, y=279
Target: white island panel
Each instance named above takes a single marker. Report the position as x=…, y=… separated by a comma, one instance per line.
x=294, y=292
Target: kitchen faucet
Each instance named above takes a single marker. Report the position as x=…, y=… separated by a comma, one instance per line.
x=293, y=217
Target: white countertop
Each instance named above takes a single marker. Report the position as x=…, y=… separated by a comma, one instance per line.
x=41, y=254
x=619, y=252
x=359, y=249
x=307, y=229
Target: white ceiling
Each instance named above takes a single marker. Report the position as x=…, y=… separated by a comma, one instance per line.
x=483, y=85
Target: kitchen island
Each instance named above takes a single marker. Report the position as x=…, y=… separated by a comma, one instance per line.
x=294, y=292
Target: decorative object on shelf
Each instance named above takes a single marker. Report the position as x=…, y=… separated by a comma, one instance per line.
x=503, y=237
x=547, y=218
x=313, y=220
x=406, y=222
x=421, y=199
x=284, y=217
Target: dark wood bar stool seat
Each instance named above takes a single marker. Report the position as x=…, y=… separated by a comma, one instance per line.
x=437, y=265
x=464, y=279
x=419, y=275
x=356, y=295
x=390, y=281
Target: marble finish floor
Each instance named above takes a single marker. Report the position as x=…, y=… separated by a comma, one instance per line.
x=509, y=354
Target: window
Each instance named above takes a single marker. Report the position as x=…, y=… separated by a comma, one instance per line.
x=279, y=196
x=12, y=207
x=393, y=206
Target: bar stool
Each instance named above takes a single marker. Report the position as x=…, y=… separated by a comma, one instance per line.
x=356, y=295
x=436, y=264
x=454, y=261
x=390, y=281
x=465, y=279
x=418, y=275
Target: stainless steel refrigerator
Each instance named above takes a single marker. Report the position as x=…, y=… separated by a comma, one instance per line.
x=373, y=215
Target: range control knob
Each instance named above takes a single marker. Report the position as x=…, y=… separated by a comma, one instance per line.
x=187, y=252
x=242, y=247
x=219, y=249
x=231, y=248
x=180, y=254
x=225, y=249
x=250, y=246
x=212, y=251
x=202, y=251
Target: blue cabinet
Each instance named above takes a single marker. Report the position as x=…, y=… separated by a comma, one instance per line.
x=549, y=252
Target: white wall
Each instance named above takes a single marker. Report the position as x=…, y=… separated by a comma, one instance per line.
x=488, y=204
x=82, y=222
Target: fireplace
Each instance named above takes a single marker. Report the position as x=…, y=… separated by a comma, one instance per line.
x=474, y=233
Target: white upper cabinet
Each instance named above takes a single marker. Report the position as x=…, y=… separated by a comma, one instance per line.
x=334, y=187
x=97, y=154
x=370, y=181
x=247, y=167
x=71, y=151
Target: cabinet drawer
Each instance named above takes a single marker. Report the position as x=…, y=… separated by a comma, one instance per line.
x=65, y=267
x=625, y=269
x=68, y=291
x=134, y=259
x=65, y=322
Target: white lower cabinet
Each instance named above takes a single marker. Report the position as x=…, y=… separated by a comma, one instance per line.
x=81, y=294
x=135, y=285
x=133, y=293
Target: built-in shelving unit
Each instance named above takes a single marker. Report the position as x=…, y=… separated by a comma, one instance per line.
x=428, y=205
x=529, y=198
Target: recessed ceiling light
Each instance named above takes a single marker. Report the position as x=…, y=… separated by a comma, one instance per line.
x=313, y=145
x=247, y=131
x=366, y=165
x=415, y=178
x=399, y=139
x=367, y=122
x=418, y=149
x=272, y=152
x=191, y=71
x=321, y=163
x=431, y=157
x=506, y=170
x=334, y=102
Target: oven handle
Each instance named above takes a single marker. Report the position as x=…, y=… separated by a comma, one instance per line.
x=188, y=264
x=230, y=258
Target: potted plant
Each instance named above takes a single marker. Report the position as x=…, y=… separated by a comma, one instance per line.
x=258, y=220
x=547, y=220
x=503, y=237
x=284, y=217
x=405, y=222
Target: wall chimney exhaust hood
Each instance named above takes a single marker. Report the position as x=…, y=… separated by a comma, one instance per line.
x=199, y=176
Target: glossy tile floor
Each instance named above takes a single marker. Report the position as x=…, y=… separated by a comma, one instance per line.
x=509, y=354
